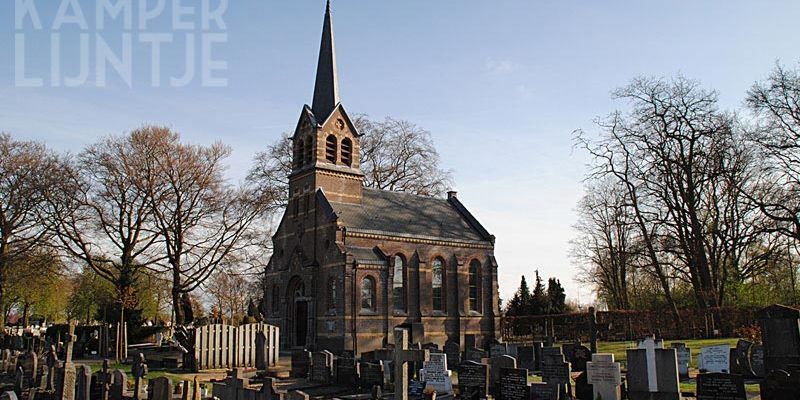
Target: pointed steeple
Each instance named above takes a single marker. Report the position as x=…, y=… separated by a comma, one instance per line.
x=326, y=88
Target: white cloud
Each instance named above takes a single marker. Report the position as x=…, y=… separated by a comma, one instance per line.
x=502, y=67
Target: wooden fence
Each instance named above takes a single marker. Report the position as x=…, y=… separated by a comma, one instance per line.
x=225, y=346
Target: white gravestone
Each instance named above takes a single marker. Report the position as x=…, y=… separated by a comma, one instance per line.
x=715, y=358
x=436, y=375
x=684, y=358
x=604, y=376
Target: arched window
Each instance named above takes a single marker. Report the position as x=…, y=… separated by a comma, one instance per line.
x=368, y=294
x=437, y=281
x=399, y=284
x=347, y=152
x=332, y=294
x=474, y=279
x=330, y=149
x=300, y=154
x=309, y=156
x=276, y=299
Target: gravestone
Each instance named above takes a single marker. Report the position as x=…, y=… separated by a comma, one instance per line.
x=104, y=379
x=604, y=376
x=583, y=389
x=513, y=384
x=139, y=371
x=160, y=388
x=498, y=349
x=742, y=359
x=580, y=356
x=714, y=358
x=437, y=376
x=416, y=388
x=757, y=361
x=474, y=354
x=51, y=361
x=653, y=370
x=780, y=385
x=543, y=391
x=526, y=358
x=684, y=359
x=83, y=383
x=322, y=366
x=261, y=351
x=780, y=334
x=720, y=386
x=556, y=371
x=473, y=380
x=372, y=374
x=67, y=376
x=453, y=351
x=30, y=364
x=495, y=365
x=537, y=355
x=346, y=371
x=301, y=360
x=403, y=355
x=118, y=383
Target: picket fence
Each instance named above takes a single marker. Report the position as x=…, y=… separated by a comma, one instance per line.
x=225, y=346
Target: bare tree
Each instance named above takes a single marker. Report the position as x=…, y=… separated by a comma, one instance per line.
x=606, y=246
x=202, y=222
x=107, y=222
x=776, y=104
x=28, y=171
x=395, y=155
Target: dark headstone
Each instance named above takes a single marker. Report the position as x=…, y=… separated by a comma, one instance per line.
x=372, y=374
x=742, y=358
x=321, y=366
x=498, y=349
x=301, y=361
x=720, y=386
x=475, y=354
x=757, y=361
x=513, y=384
x=580, y=356
x=526, y=357
x=473, y=380
x=160, y=388
x=496, y=364
x=261, y=351
x=83, y=383
x=119, y=381
x=346, y=371
x=583, y=390
x=780, y=385
x=780, y=333
x=543, y=391
x=453, y=352
x=416, y=388
x=556, y=372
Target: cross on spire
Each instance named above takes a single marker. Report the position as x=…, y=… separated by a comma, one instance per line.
x=326, y=88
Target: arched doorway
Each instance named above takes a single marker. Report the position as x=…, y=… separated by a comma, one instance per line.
x=298, y=312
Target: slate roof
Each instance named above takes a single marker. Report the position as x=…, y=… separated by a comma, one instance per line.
x=402, y=214
x=367, y=256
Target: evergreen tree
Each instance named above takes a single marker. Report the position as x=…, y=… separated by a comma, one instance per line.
x=556, y=296
x=520, y=303
x=539, y=304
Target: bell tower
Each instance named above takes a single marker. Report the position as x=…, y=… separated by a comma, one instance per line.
x=325, y=142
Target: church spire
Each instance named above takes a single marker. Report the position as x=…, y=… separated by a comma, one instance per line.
x=326, y=88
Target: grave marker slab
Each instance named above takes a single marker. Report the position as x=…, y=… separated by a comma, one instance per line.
x=514, y=384
x=720, y=386
x=321, y=366
x=346, y=371
x=372, y=374
x=473, y=380
x=161, y=388
x=543, y=391
x=715, y=358
x=757, y=361
x=301, y=361
x=525, y=357
x=780, y=334
x=437, y=376
x=684, y=359
x=496, y=364
x=653, y=370
x=453, y=351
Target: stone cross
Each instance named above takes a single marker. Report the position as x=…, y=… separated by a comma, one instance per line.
x=650, y=345
x=104, y=379
x=604, y=376
x=139, y=371
x=66, y=388
x=403, y=355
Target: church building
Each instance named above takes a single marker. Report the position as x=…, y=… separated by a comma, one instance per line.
x=351, y=263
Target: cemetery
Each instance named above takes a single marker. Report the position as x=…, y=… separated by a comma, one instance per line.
x=343, y=265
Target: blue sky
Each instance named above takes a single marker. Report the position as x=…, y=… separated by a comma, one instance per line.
x=501, y=85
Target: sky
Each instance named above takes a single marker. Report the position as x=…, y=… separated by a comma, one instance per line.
x=501, y=85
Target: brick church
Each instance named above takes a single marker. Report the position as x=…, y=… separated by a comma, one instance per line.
x=351, y=263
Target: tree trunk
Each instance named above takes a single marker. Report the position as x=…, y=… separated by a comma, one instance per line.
x=177, y=307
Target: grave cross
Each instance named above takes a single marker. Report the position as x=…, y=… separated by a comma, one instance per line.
x=51, y=360
x=66, y=387
x=70, y=343
x=402, y=355
x=650, y=345
x=139, y=371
